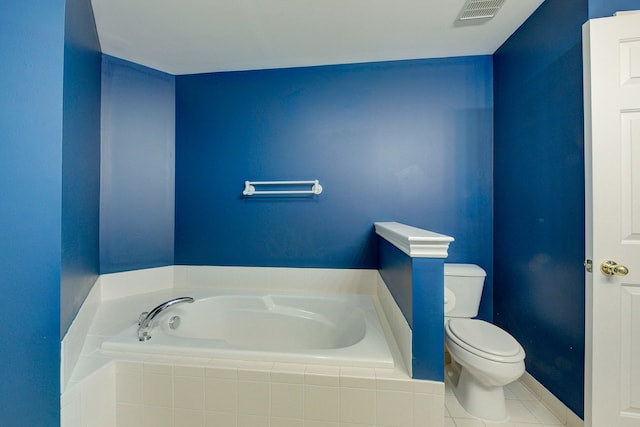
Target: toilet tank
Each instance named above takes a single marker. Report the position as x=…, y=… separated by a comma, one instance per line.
x=463, y=285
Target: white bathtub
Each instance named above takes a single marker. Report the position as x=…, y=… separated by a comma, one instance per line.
x=340, y=329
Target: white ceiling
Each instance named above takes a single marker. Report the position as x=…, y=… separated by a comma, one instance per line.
x=198, y=36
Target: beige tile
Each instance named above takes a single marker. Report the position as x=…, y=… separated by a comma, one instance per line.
x=226, y=372
x=98, y=406
x=322, y=375
x=194, y=362
x=188, y=393
x=188, y=371
x=525, y=408
x=290, y=373
x=430, y=387
x=71, y=413
x=156, y=416
x=254, y=398
x=221, y=395
x=188, y=418
x=557, y=408
x=321, y=403
x=395, y=372
x=509, y=424
x=393, y=380
x=157, y=390
x=552, y=403
x=357, y=377
x=129, y=415
x=542, y=414
x=447, y=387
x=220, y=419
x=286, y=422
x=223, y=363
x=287, y=400
x=320, y=424
x=129, y=366
x=357, y=406
x=469, y=422
x=508, y=394
x=252, y=421
x=428, y=409
x=162, y=362
x=157, y=368
x=573, y=420
x=394, y=384
x=257, y=372
x=519, y=391
x=394, y=408
x=518, y=413
x=356, y=382
x=129, y=387
x=71, y=396
x=455, y=409
x=88, y=366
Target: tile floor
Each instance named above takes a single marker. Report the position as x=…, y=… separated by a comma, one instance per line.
x=524, y=409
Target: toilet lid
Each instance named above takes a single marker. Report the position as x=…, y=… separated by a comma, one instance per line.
x=485, y=337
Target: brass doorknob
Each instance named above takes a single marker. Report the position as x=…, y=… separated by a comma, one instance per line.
x=611, y=268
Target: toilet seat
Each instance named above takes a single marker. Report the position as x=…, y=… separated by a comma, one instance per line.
x=485, y=340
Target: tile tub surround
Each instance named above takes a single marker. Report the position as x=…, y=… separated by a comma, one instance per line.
x=224, y=393
x=106, y=390
x=264, y=394
x=73, y=342
x=92, y=402
x=100, y=315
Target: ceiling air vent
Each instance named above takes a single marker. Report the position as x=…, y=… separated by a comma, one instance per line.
x=480, y=9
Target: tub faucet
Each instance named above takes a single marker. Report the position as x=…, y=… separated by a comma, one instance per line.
x=145, y=319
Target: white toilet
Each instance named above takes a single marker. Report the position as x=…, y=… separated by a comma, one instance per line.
x=484, y=357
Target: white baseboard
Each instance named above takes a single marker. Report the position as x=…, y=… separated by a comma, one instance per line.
x=559, y=409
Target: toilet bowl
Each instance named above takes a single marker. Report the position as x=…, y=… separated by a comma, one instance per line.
x=485, y=358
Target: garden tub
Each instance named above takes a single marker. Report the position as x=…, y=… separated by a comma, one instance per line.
x=334, y=329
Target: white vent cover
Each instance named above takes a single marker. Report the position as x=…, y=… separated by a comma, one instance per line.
x=480, y=9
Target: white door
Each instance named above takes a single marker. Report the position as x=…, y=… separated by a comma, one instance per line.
x=612, y=157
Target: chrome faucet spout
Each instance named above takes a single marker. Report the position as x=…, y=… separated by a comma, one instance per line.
x=144, y=322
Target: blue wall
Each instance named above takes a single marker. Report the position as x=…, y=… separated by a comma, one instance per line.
x=406, y=141
x=602, y=8
x=32, y=43
x=539, y=195
x=417, y=285
x=428, y=318
x=396, y=269
x=49, y=184
x=137, y=193
x=539, y=191
x=80, y=160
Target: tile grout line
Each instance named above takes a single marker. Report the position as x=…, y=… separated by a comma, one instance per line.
x=469, y=421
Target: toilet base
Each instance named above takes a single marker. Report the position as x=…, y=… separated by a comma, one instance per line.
x=479, y=400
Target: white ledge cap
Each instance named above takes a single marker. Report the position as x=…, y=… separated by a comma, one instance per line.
x=415, y=242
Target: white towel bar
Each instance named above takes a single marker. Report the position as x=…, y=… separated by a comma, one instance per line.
x=250, y=189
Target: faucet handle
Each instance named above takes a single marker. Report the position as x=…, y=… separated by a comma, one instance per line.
x=144, y=333
x=142, y=316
